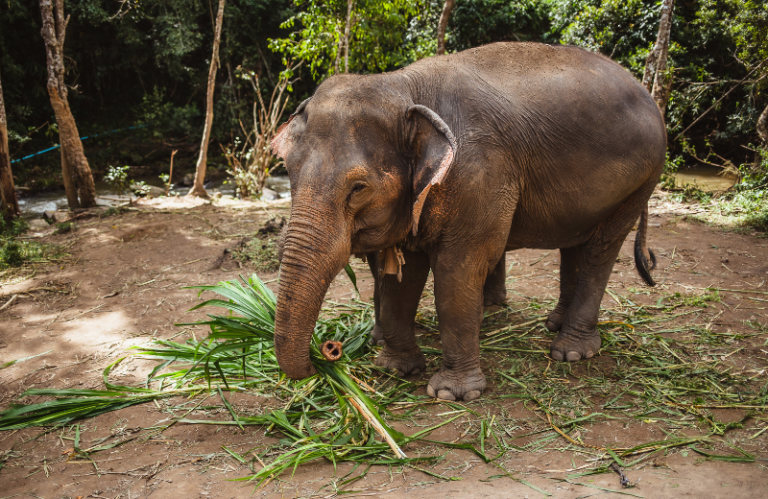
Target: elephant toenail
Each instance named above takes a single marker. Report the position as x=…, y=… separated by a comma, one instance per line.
x=400, y=373
x=381, y=343
x=431, y=391
x=416, y=371
x=590, y=354
x=551, y=326
x=487, y=302
x=446, y=395
x=572, y=356
x=471, y=395
x=557, y=355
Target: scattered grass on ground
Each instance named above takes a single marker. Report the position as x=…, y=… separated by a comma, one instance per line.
x=661, y=365
x=258, y=253
x=16, y=252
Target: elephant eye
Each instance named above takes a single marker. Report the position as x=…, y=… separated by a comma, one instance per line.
x=357, y=188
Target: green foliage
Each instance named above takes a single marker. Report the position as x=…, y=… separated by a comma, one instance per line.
x=376, y=40
x=140, y=188
x=166, y=180
x=16, y=227
x=15, y=252
x=65, y=227
x=168, y=117
x=477, y=22
x=261, y=254
x=117, y=178
x=113, y=210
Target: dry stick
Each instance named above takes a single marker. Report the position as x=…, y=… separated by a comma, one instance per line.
x=9, y=302
x=87, y=311
x=379, y=429
x=516, y=326
x=748, y=291
x=562, y=434
x=721, y=98
x=170, y=174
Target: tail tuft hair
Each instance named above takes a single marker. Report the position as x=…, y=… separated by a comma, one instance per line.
x=642, y=253
x=642, y=264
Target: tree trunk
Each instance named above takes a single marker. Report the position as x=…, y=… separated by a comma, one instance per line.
x=655, y=78
x=9, y=204
x=442, y=25
x=197, y=188
x=350, y=3
x=762, y=126
x=78, y=181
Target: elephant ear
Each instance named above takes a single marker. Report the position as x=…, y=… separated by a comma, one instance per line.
x=434, y=148
x=282, y=141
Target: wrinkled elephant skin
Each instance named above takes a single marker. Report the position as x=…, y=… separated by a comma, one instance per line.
x=455, y=160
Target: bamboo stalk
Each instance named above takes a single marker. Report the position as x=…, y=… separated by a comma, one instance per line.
x=379, y=429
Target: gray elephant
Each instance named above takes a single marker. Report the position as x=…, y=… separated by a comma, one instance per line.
x=445, y=165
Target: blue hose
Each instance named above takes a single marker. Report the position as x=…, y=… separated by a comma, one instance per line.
x=81, y=138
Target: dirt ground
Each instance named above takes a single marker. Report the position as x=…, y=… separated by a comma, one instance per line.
x=123, y=286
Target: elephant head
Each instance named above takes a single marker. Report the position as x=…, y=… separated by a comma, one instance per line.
x=362, y=158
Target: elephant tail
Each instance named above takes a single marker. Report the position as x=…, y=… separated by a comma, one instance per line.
x=642, y=254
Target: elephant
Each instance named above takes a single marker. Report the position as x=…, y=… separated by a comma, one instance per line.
x=445, y=165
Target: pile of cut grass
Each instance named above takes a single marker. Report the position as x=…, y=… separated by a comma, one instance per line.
x=328, y=415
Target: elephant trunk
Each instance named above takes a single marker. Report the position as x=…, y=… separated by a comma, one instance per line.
x=311, y=258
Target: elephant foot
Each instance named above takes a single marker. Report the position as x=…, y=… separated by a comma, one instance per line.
x=377, y=337
x=494, y=297
x=457, y=385
x=555, y=320
x=402, y=362
x=573, y=346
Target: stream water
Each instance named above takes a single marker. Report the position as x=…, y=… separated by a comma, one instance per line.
x=707, y=179
x=33, y=207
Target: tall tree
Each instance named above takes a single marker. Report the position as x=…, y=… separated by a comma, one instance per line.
x=350, y=3
x=655, y=78
x=197, y=188
x=78, y=181
x=762, y=126
x=442, y=25
x=9, y=205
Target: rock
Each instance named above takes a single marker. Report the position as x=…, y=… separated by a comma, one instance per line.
x=142, y=189
x=269, y=195
x=49, y=217
x=187, y=181
x=38, y=224
x=57, y=217
x=273, y=225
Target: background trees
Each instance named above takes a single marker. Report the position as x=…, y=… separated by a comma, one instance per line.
x=145, y=64
x=9, y=204
x=78, y=181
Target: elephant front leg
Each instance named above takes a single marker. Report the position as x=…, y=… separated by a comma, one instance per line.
x=459, y=303
x=397, y=303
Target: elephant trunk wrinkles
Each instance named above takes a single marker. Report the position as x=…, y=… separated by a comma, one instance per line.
x=311, y=259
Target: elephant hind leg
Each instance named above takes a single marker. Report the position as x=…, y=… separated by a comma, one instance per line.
x=495, y=288
x=377, y=337
x=569, y=276
x=578, y=337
